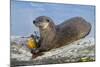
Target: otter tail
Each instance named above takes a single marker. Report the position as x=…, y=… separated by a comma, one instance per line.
x=89, y=30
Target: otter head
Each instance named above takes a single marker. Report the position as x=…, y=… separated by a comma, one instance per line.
x=43, y=22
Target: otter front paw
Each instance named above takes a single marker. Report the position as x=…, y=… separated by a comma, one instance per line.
x=36, y=53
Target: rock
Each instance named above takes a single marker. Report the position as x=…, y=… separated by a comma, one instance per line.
x=78, y=51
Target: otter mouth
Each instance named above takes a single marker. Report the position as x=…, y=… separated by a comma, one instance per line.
x=42, y=25
x=45, y=25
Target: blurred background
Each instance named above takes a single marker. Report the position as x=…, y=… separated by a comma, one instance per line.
x=23, y=13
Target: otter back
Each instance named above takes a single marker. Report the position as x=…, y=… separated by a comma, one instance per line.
x=72, y=29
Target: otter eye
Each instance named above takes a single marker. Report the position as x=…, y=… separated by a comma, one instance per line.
x=48, y=20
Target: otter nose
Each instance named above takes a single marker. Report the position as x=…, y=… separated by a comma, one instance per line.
x=34, y=22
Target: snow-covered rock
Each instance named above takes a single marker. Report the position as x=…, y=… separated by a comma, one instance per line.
x=81, y=50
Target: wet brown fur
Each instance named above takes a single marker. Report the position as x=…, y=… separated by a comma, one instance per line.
x=55, y=36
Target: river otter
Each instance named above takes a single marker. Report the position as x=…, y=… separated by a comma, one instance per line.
x=54, y=36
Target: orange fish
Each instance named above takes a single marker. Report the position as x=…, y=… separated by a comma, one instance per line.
x=32, y=43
